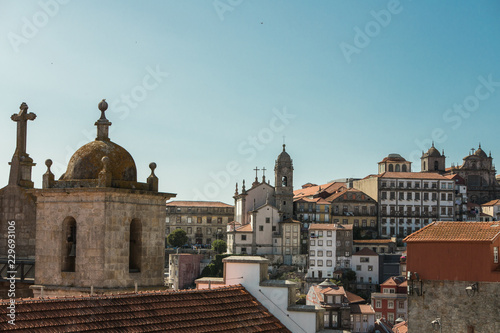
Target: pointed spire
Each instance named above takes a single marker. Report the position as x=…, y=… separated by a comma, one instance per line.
x=243, y=190
x=284, y=147
x=432, y=144
x=479, y=145
x=236, y=190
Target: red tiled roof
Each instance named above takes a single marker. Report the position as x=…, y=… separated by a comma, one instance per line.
x=341, y=193
x=492, y=203
x=353, y=298
x=312, y=190
x=244, y=228
x=412, y=175
x=229, y=309
x=402, y=327
x=365, y=252
x=395, y=281
x=198, y=204
x=372, y=241
x=456, y=232
x=362, y=308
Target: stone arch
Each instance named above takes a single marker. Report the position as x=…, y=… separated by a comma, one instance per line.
x=135, y=246
x=436, y=165
x=284, y=181
x=403, y=168
x=398, y=169
x=69, y=245
x=391, y=168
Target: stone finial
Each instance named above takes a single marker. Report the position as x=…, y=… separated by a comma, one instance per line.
x=103, y=123
x=243, y=190
x=103, y=106
x=48, y=177
x=236, y=190
x=105, y=176
x=152, y=179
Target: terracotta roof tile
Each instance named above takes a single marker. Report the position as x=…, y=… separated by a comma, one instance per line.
x=198, y=204
x=244, y=228
x=329, y=226
x=331, y=187
x=413, y=175
x=492, y=203
x=228, y=309
x=362, y=309
x=442, y=231
x=365, y=252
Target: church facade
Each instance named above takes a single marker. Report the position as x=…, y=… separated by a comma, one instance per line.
x=263, y=223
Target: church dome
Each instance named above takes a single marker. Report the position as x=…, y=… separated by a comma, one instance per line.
x=86, y=162
x=433, y=152
x=480, y=153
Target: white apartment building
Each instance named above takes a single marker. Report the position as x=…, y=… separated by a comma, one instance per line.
x=408, y=201
x=365, y=264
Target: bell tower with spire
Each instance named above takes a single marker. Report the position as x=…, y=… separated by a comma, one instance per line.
x=283, y=172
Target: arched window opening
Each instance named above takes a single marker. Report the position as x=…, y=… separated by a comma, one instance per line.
x=391, y=168
x=397, y=168
x=69, y=245
x=436, y=166
x=135, y=246
x=284, y=181
x=403, y=168
x=424, y=166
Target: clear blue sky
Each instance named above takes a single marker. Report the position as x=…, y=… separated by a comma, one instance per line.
x=208, y=89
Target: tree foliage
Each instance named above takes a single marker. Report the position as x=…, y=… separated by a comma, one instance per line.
x=177, y=238
x=219, y=246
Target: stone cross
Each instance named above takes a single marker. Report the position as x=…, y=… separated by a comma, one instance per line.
x=264, y=171
x=256, y=170
x=22, y=126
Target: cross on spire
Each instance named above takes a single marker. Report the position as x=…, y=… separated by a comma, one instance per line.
x=256, y=169
x=21, y=164
x=263, y=174
x=22, y=127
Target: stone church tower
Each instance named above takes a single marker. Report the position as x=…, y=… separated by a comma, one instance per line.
x=98, y=229
x=433, y=161
x=283, y=172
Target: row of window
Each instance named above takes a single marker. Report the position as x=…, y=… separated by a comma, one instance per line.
x=358, y=268
x=390, y=304
x=199, y=219
x=199, y=210
x=313, y=253
x=391, y=231
x=405, y=221
x=415, y=210
x=416, y=196
x=312, y=242
x=409, y=184
x=354, y=209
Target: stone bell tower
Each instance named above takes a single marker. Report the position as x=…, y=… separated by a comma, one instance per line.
x=99, y=230
x=283, y=172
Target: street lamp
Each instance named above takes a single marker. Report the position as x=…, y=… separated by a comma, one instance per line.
x=436, y=323
x=472, y=289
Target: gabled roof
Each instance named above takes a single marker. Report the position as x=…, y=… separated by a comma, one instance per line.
x=444, y=231
x=361, y=309
x=310, y=191
x=353, y=298
x=395, y=281
x=495, y=202
x=244, y=228
x=228, y=309
x=198, y=204
x=365, y=252
x=340, y=193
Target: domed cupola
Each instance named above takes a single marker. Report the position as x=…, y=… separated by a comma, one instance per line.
x=86, y=162
x=480, y=152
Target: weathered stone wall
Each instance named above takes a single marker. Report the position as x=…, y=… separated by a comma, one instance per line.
x=103, y=218
x=448, y=300
x=17, y=204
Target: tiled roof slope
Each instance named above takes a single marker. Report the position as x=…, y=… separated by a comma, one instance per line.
x=456, y=232
x=230, y=309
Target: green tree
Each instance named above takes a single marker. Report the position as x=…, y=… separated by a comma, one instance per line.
x=177, y=238
x=219, y=246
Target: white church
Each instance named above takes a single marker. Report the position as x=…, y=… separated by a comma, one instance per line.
x=263, y=223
